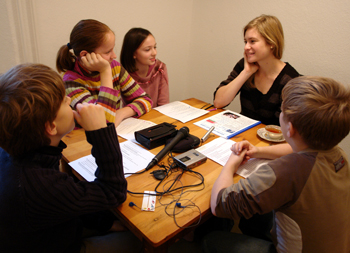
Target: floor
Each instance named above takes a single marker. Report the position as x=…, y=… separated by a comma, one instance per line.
x=183, y=246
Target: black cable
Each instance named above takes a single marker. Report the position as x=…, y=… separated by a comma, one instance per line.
x=167, y=190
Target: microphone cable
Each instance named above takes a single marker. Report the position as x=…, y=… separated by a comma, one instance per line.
x=170, y=168
x=169, y=191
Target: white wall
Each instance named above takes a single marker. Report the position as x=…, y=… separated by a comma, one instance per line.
x=8, y=54
x=168, y=21
x=199, y=40
x=317, y=40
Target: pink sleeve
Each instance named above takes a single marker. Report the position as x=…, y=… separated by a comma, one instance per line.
x=163, y=93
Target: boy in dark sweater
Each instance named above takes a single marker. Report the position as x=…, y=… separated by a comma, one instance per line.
x=42, y=209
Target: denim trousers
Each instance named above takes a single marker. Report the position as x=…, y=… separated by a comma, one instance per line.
x=228, y=242
x=255, y=237
x=124, y=241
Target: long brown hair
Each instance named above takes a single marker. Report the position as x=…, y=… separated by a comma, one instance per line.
x=132, y=41
x=87, y=35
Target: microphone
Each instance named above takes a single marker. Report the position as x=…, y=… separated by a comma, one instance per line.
x=179, y=205
x=131, y=204
x=206, y=136
x=181, y=134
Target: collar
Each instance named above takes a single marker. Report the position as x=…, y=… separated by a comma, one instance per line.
x=46, y=156
x=52, y=150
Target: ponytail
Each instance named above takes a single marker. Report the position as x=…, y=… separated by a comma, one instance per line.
x=86, y=35
x=65, y=59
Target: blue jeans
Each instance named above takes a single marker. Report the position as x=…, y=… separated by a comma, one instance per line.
x=227, y=242
x=124, y=241
x=259, y=226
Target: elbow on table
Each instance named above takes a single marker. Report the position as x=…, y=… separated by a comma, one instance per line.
x=213, y=210
x=121, y=198
x=218, y=104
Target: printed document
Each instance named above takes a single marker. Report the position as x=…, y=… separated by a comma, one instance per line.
x=219, y=150
x=135, y=158
x=227, y=123
x=181, y=111
x=129, y=126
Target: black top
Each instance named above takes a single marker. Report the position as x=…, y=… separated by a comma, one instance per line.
x=41, y=207
x=263, y=107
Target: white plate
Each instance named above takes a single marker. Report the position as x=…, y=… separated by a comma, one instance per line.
x=262, y=134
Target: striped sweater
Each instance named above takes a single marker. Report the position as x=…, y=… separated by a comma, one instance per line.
x=83, y=86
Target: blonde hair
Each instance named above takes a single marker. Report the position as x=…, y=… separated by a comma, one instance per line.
x=319, y=109
x=271, y=29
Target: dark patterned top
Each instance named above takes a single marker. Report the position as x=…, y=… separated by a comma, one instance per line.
x=263, y=107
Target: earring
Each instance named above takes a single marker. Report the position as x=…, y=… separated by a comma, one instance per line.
x=271, y=47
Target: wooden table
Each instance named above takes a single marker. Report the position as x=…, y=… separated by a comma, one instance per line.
x=156, y=229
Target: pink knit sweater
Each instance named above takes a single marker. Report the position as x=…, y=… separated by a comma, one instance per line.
x=156, y=83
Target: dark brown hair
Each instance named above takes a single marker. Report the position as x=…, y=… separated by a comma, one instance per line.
x=132, y=41
x=319, y=109
x=87, y=35
x=30, y=96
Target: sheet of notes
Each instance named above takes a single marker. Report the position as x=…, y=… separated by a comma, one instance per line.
x=219, y=151
x=181, y=111
x=135, y=158
x=129, y=126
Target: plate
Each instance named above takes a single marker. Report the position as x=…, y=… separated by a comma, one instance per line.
x=262, y=134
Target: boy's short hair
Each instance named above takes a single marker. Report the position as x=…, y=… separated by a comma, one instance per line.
x=30, y=97
x=319, y=109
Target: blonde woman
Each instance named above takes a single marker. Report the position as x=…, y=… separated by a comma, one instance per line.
x=261, y=75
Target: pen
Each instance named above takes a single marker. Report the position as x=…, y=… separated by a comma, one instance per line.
x=208, y=107
x=205, y=137
x=214, y=109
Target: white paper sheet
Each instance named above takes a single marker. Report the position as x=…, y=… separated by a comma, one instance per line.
x=181, y=111
x=250, y=167
x=129, y=126
x=219, y=151
x=135, y=158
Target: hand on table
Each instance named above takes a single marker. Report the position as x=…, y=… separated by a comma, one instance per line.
x=122, y=114
x=251, y=150
x=234, y=161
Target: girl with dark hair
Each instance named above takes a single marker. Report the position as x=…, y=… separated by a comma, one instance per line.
x=138, y=57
